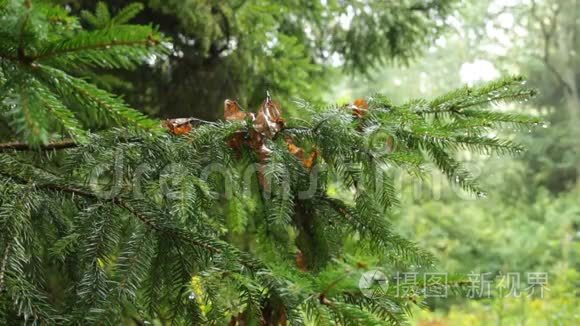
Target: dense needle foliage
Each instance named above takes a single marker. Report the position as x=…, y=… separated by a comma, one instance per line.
x=130, y=224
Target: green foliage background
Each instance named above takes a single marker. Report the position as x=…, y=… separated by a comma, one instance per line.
x=239, y=48
x=531, y=221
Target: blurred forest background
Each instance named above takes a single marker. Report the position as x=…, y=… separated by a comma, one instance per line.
x=336, y=51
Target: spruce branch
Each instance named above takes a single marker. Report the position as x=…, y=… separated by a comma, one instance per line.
x=91, y=96
x=118, y=201
x=97, y=46
x=378, y=232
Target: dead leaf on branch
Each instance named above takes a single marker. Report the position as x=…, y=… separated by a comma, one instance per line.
x=236, y=141
x=180, y=126
x=359, y=107
x=301, y=261
x=311, y=160
x=269, y=120
x=266, y=124
x=233, y=111
x=298, y=152
x=293, y=149
x=257, y=143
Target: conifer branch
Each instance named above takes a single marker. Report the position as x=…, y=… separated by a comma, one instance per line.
x=119, y=202
x=99, y=46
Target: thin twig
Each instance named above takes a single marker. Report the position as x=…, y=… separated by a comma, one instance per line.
x=21, y=46
x=61, y=144
x=197, y=120
x=20, y=146
x=4, y=263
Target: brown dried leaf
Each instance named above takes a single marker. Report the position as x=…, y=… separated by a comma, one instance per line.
x=283, y=318
x=269, y=120
x=180, y=126
x=390, y=146
x=301, y=261
x=311, y=160
x=361, y=103
x=298, y=152
x=359, y=107
x=256, y=143
x=266, y=124
x=293, y=149
x=236, y=141
x=233, y=111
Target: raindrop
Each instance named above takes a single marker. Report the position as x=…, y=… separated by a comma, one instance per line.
x=192, y=296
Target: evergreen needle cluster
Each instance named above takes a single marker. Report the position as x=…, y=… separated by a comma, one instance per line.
x=130, y=225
